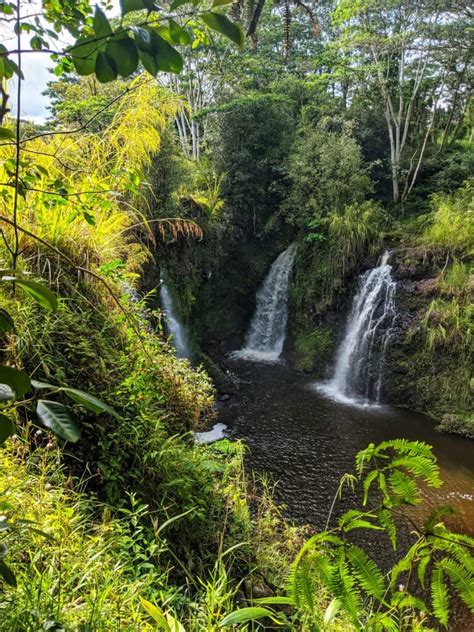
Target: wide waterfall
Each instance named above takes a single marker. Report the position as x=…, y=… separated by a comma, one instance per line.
x=172, y=324
x=358, y=373
x=267, y=331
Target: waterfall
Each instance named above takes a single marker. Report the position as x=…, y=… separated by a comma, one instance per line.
x=172, y=324
x=358, y=373
x=267, y=331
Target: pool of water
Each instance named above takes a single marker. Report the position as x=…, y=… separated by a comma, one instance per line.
x=305, y=441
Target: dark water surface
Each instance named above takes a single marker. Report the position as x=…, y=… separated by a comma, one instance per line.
x=306, y=441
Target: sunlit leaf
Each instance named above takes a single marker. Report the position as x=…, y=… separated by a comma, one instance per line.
x=40, y=293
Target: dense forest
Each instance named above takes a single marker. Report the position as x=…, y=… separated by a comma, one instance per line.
x=237, y=249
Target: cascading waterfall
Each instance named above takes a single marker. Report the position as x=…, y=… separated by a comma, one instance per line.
x=358, y=373
x=267, y=331
x=172, y=324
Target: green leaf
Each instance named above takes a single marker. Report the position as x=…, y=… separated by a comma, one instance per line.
x=462, y=580
x=148, y=62
x=84, y=54
x=6, y=133
x=125, y=55
x=40, y=293
x=246, y=614
x=89, y=401
x=101, y=23
x=156, y=614
x=16, y=379
x=57, y=418
x=221, y=23
x=155, y=53
x=369, y=479
x=167, y=58
x=367, y=572
x=7, y=574
x=439, y=596
x=7, y=428
x=6, y=321
x=388, y=525
x=42, y=385
x=178, y=34
x=275, y=601
x=105, y=68
x=331, y=611
x=131, y=5
x=221, y=3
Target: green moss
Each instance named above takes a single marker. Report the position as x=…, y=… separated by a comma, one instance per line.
x=313, y=350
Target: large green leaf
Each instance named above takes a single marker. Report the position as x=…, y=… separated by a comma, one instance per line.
x=246, y=614
x=221, y=23
x=83, y=54
x=58, y=418
x=167, y=58
x=101, y=24
x=124, y=53
x=155, y=613
x=7, y=428
x=138, y=5
x=105, y=68
x=16, y=379
x=89, y=401
x=155, y=53
x=6, y=321
x=40, y=293
x=178, y=34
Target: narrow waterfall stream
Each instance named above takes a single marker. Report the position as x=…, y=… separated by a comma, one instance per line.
x=267, y=331
x=358, y=372
x=172, y=325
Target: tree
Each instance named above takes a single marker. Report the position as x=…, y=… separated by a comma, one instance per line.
x=413, y=54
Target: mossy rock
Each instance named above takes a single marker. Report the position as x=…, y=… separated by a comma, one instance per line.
x=313, y=350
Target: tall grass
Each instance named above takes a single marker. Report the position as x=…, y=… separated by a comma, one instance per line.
x=84, y=192
x=451, y=225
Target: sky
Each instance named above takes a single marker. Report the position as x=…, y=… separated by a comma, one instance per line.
x=36, y=69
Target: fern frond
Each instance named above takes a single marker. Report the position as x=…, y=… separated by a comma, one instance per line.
x=367, y=572
x=369, y=479
x=404, y=488
x=364, y=456
x=404, y=446
x=435, y=517
x=462, y=580
x=344, y=589
x=439, y=596
x=422, y=566
x=420, y=466
x=388, y=525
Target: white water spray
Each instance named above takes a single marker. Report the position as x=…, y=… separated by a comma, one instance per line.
x=267, y=331
x=358, y=373
x=172, y=324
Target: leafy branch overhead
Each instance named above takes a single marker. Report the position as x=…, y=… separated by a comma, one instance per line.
x=108, y=52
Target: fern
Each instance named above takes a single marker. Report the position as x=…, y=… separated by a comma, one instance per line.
x=420, y=466
x=404, y=488
x=439, y=596
x=367, y=572
x=388, y=525
x=345, y=590
x=462, y=580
